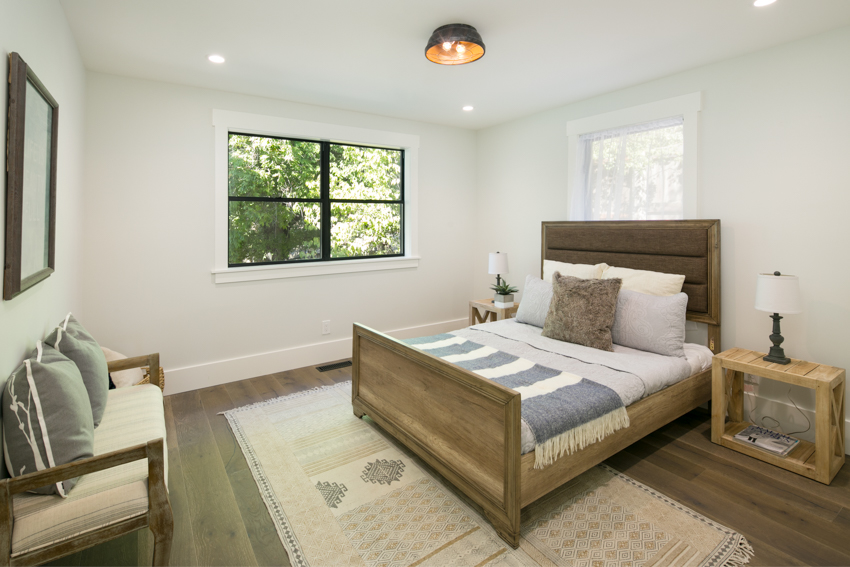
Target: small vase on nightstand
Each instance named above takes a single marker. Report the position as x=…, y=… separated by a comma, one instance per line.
x=503, y=301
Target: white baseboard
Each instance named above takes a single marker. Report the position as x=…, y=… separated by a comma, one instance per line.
x=224, y=371
x=789, y=418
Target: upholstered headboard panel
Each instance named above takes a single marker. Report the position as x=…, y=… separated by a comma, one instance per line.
x=688, y=247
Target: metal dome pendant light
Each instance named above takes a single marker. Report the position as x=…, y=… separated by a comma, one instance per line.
x=454, y=44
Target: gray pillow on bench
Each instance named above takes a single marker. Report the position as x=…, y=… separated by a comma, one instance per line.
x=47, y=419
x=71, y=339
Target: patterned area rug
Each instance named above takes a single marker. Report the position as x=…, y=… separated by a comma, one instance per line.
x=341, y=492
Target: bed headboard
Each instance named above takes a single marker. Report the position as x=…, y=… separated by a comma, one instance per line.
x=689, y=247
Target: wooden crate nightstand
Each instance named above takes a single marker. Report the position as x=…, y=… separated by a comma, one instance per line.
x=491, y=312
x=820, y=460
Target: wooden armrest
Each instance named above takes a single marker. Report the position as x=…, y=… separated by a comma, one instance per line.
x=53, y=475
x=153, y=451
x=150, y=360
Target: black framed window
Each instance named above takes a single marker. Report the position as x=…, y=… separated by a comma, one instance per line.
x=293, y=200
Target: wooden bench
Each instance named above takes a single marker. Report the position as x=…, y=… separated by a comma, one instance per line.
x=35, y=529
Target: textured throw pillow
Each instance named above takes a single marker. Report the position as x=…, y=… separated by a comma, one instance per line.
x=584, y=271
x=644, y=281
x=72, y=340
x=123, y=378
x=47, y=419
x=536, y=297
x=582, y=311
x=651, y=323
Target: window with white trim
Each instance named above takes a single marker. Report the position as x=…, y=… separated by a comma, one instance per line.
x=638, y=163
x=296, y=198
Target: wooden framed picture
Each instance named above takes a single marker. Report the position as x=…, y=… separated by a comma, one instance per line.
x=30, y=180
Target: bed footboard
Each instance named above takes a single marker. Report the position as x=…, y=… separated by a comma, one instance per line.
x=464, y=426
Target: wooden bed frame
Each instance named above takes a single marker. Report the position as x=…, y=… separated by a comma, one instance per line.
x=468, y=427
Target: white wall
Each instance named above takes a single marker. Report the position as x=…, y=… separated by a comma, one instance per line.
x=37, y=29
x=149, y=242
x=774, y=147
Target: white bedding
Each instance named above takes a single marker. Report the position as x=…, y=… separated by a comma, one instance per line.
x=633, y=374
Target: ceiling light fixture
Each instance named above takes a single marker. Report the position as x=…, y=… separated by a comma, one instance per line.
x=468, y=108
x=760, y=3
x=216, y=58
x=454, y=44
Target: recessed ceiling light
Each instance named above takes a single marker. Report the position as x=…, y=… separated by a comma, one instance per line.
x=467, y=108
x=216, y=58
x=761, y=3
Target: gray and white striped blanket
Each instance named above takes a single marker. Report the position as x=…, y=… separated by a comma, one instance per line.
x=564, y=411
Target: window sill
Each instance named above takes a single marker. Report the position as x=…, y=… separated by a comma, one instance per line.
x=249, y=274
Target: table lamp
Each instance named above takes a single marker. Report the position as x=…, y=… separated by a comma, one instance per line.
x=498, y=265
x=777, y=293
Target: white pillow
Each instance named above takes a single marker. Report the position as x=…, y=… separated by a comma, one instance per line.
x=643, y=281
x=583, y=271
x=123, y=378
x=536, y=297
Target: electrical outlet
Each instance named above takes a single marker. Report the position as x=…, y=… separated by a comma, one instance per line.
x=326, y=327
x=750, y=379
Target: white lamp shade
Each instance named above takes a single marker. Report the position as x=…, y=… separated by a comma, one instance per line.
x=498, y=263
x=778, y=294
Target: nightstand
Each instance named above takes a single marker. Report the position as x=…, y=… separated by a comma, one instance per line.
x=820, y=460
x=491, y=312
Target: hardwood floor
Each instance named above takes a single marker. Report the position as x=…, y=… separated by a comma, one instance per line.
x=220, y=520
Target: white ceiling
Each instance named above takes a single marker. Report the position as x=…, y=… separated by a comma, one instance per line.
x=368, y=55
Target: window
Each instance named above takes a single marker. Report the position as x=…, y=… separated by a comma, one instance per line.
x=299, y=200
x=634, y=172
x=295, y=198
x=638, y=163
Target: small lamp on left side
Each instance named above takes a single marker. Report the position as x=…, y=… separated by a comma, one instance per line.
x=498, y=265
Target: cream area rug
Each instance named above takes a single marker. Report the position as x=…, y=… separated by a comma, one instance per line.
x=342, y=492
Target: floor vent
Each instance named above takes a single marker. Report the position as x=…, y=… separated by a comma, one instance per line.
x=334, y=366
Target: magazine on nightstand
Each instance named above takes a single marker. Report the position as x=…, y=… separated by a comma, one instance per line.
x=767, y=440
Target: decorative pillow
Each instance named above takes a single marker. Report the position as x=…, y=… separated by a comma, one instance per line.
x=536, y=297
x=72, y=340
x=584, y=271
x=47, y=419
x=651, y=323
x=123, y=378
x=643, y=281
x=582, y=311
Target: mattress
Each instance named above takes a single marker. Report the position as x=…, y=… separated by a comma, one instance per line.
x=632, y=374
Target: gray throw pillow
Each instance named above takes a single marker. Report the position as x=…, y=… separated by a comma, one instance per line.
x=582, y=311
x=71, y=339
x=651, y=323
x=536, y=297
x=46, y=417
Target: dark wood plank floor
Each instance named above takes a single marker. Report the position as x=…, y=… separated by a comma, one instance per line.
x=220, y=519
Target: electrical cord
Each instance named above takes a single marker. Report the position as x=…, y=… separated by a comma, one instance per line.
x=777, y=424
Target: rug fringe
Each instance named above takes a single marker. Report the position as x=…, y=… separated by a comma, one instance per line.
x=741, y=556
x=288, y=397
x=579, y=437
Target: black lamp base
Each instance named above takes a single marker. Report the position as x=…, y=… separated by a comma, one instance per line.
x=771, y=357
x=776, y=353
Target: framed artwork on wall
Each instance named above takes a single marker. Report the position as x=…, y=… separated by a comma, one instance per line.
x=30, y=180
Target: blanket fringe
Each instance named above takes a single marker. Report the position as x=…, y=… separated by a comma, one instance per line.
x=741, y=556
x=579, y=437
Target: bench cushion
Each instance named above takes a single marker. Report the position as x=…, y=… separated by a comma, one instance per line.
x=133, y=416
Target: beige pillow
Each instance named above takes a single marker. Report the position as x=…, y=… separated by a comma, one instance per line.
x=583, y=271
x=123, y=378
x=643, y=281
x=582, y=311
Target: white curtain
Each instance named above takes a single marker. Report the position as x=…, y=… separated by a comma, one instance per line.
x=631, y=173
